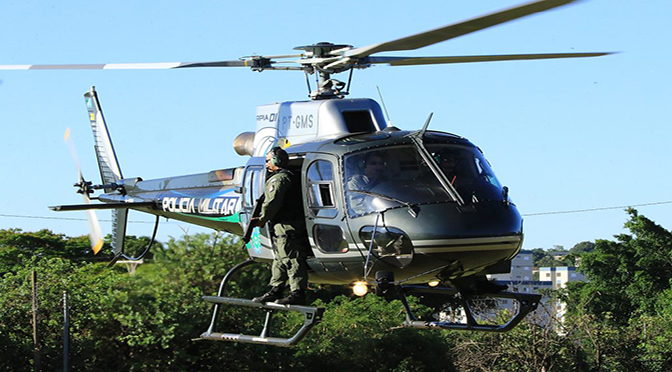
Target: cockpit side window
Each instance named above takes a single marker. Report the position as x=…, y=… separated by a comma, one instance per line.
x=320, y=183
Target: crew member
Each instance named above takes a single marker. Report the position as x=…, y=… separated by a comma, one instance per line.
x=282, y=210
x=448, y=162
x=372, y=168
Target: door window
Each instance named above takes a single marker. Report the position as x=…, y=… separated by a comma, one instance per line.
x=253, y=185
x=330, y=239
x=320, y=183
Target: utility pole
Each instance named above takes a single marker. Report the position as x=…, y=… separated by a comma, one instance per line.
x=66, y=333
x=36, y=340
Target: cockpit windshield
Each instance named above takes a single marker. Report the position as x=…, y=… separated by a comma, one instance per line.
x=397, y=176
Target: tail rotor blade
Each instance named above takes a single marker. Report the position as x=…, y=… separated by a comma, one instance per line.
x=73, y=153
x=95, y=234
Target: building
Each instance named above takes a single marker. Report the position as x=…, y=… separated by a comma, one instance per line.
x=559, y=277
x=522, y=279
x=521, y=268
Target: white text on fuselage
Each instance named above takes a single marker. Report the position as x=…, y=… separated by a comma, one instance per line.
x=203, y=206
x=296, y=121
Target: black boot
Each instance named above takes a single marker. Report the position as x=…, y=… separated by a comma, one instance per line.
x=270, y=296
x=294, y=298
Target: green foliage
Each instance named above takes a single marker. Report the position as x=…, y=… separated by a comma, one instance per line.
x=626, y=276
x=542, y=258
x=359, y=334
x=656, y=334
x=620, y=320
x=528, y=347
x=202, y=260
x=54, y=277
x=582, y=247
x=17, y=246
x=622, y=316
x=118, y=322
x=133, y=247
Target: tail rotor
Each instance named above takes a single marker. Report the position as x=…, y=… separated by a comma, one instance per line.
x=95, y=234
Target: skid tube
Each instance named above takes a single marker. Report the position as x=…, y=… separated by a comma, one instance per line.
x=527, y=303
x=311, y=317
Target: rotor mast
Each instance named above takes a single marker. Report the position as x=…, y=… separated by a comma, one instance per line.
x=324, y=59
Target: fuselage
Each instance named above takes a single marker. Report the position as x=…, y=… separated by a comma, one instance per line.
x=422, y=229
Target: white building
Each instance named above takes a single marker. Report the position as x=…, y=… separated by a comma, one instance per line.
x=521, y=279
x=559, y=277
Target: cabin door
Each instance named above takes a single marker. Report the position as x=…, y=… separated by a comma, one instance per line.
x=323, y=205
x=253, y=187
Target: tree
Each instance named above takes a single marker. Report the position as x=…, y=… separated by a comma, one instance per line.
x=620, y=320
x=16, y=246
x=528, y=347
x=583, y=247
x=626, y=275
x=360, y=334
x=621, y=317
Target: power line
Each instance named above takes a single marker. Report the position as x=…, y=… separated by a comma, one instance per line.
x=524, y=215
x=61, y=218
x=596, y=209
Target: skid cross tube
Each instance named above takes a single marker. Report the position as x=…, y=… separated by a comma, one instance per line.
x=527, y=303
x=311, y=317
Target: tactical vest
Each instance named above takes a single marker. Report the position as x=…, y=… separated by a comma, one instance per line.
x=292, y=210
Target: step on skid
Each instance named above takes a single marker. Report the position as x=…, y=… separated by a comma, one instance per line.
x=311, y=317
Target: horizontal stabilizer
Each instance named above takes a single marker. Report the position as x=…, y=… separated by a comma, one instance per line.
x=83, y=207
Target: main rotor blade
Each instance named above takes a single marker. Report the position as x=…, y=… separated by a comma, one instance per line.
x=237, y=63
x=409, y=61
x=130, y=66
x=452, y=31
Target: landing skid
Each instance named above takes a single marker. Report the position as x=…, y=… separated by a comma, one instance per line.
x=526, y=303
x=311, y=317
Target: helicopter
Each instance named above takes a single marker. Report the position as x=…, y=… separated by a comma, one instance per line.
x=437, y=223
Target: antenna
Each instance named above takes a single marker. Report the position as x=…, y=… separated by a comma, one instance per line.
x=424, y=128
x=389, y=121
x=349, y=82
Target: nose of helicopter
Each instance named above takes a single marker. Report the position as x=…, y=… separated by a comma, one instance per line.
x=469, y=238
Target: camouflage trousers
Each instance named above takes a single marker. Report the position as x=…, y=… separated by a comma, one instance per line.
x=289, y=266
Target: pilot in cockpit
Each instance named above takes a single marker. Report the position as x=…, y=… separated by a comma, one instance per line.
x=449, y=163
x=372, y=169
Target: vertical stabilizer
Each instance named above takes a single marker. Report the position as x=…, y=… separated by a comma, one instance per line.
x=110, y=172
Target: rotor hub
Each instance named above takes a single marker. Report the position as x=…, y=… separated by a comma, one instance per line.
x=322, y=49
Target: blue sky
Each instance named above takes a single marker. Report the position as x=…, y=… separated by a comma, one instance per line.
x=562, y=134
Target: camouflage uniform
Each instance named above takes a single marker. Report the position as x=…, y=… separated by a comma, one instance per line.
x=287, y=227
